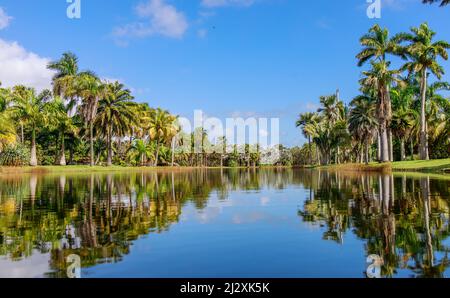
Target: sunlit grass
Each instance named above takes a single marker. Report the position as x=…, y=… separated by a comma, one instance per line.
x=438, y=164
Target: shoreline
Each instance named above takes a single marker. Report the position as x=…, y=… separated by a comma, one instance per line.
x=433, y=166
x=441, y=166
x=73, y=169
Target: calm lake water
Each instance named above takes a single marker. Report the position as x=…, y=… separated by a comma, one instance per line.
x=225, y=223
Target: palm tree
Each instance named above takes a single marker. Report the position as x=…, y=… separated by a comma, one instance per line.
x=404, y=118
x=332, y=108
x=304, y=122
x=379, y=78
x=63, y=123
x=423, y=54
x=32, y=109
x=66, y=73
x=90, y=89
x=115, y=115
x=161, y=128
x=222, y=148
x=362, y=120
x=401, y=124
x=142, y=149
x=436, y=111
x=377, y=44
x=175, y=140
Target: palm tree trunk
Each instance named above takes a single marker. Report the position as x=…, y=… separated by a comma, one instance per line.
x=378, y=146
x=109, y=140
x=142, y=159
x=33, y=159
x=423, y=150
x=91, y=141
x=390, y=145
x=62, y=160
x=367, y=152
x=402, y=149
x=411, y=148
x=388, y=119
x=318, y=156
x=310, y=150
x=173, y=152
x=157, y=154
x=384, y=142
x=21, y=133
x=337, y=155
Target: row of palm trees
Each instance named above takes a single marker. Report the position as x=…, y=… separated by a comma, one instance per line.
x=88, y=117
x=394, y=103
x=80, y=105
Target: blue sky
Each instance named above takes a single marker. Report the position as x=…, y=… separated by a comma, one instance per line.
x=270, y=58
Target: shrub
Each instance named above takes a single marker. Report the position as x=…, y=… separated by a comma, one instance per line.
x=15, y=156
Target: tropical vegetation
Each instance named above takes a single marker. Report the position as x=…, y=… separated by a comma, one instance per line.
x=400, y=114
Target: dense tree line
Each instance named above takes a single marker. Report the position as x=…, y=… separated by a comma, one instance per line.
x=97, y=122
x=398, y=112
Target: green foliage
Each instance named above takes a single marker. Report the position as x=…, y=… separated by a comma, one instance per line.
x=14, y=156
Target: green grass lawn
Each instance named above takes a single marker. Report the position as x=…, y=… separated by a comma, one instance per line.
x=438, y=166
x=422, y=165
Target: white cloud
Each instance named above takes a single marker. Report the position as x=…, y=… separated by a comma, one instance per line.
x=19, y=66
x=156, y=18
x=223, y=3
x=4, y=19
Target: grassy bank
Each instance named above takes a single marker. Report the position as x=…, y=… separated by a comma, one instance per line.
x=438, y=166
x=81, y=169
x=88, y=169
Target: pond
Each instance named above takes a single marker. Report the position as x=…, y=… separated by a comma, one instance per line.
x=241, y=223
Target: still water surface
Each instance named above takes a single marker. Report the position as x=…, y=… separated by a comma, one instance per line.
x=225, y=223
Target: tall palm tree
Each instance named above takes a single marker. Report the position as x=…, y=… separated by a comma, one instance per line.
x=332, y=108
x=403, y=122
x=176, y=139
x=66, y=73
x=377, y=44
x=32, y=109
x=115, y=115
x=362, y=120
x=379, y=78
x=423, y=54
x=334, y=111
x=437, y=108
x=161, y=128
x=63, y=123
x=90, y=89
x=304, y=121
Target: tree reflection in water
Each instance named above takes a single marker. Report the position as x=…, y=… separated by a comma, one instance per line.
x=403, y=219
